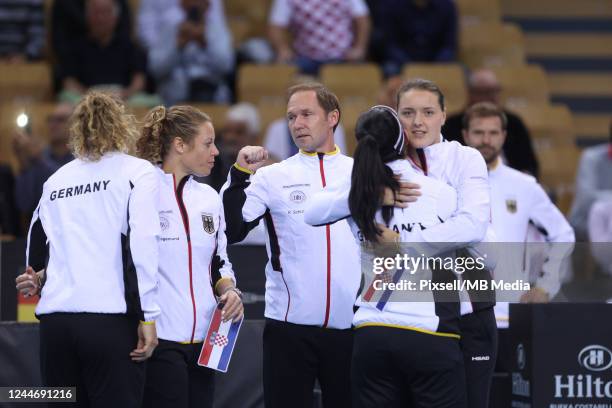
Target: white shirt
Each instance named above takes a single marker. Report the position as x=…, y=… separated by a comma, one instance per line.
x=600, y=232
x=458, y=166
x=101, y=224
x=187, y=277
x=313, y=275
x=461, y=167
x=516, y=200
x=321, y=29
x=152, y=12
x=438, y=201
x=280, y=13
x=464, y=169
x=593, y=183
x=174, y=68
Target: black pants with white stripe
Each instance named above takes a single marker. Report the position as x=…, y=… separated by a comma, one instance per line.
x=295, y=355
x=92, y=352
x=175, y=380
x=399, y=368
x=479, y=347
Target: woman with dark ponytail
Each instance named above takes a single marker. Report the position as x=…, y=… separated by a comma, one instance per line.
x=379, y=142
x=422, y=114
x=181, y=142
x=404, y=353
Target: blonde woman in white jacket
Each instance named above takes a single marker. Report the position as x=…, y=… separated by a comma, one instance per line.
x=93, y=241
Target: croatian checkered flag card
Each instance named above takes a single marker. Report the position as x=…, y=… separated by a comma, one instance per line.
x=219, y=342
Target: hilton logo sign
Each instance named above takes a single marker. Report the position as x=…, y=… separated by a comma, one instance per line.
x=594, y=358
x=560, y=359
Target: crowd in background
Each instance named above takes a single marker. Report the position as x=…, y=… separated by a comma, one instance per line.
x=182, y=50
x=173, y=51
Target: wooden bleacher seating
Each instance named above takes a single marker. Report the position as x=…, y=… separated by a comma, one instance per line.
x=350, y=113
x=491, y=44
x=557, y=9
x=449, y=77
x=25, y=82
x=558, y=171
x=353, y=83
x=247, y=18
x=522, y=85
x=478, y=11
x=549, y=125
x=264, y=83
x=217, y=112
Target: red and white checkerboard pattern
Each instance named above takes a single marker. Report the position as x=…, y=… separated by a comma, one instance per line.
x=322, y=28
x=219, y=340
x=386, y=276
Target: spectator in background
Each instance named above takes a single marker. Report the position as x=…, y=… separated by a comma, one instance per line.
x=37, y=163
x=518, y=153
x=9, y=218
x=69, y=26
x=593, y=183
x=413, y=31
x=517, y=200
x=189, y=47
x=104, y=57
x=22, y=30
x=241, y=128
x=324, y=31
x=524, y=220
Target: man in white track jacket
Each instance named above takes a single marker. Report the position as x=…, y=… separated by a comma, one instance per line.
x=313, y=274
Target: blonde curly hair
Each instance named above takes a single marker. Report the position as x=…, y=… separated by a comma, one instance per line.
x=100, y=125
x=162, y=125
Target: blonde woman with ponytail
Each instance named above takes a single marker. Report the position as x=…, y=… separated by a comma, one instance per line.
x=194, y=269
x=93, y=239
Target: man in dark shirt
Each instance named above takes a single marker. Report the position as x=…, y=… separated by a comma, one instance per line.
x=483, y=86
x=106, y=56
x=413, y=31
x=69, y=24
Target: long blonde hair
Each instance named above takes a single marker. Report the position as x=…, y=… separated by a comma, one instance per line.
x=100, y=125
x=162, y=125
